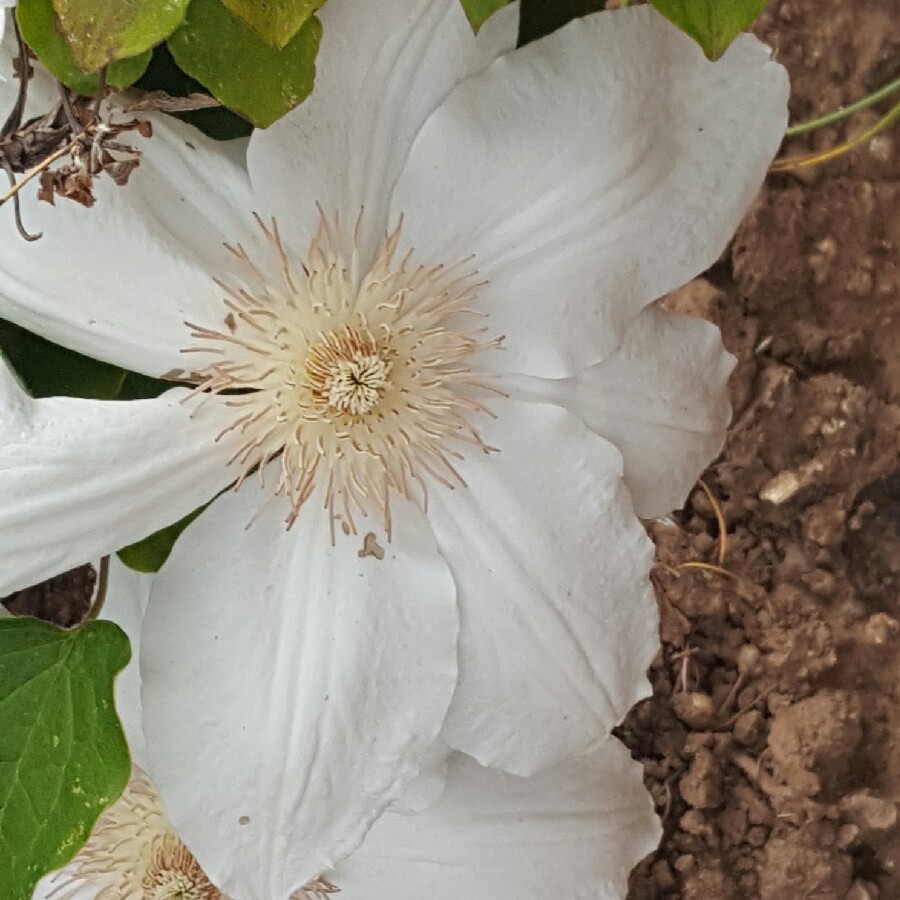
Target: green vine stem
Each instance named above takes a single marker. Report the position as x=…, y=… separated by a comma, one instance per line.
x=786, y=164
x=843, y=111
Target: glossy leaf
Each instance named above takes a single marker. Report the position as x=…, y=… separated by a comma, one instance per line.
x=538, y=18
x=240, y=68
x=102, y=31
x=63, y=756
x=479, y=11
x=48, y=370
x=218, y=122
x=149, y=554
x=40, y=28
x=275, y=21
x=713, y=24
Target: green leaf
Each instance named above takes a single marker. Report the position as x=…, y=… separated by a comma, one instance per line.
x=164, y=75
x=49, y=370
x=102, y=31
x=240, y=68
x=40, y=28
x=149, y=554
x=713, y=24
x=538, y=18
x=63, y=756
x=479, y=11
x=275, y=21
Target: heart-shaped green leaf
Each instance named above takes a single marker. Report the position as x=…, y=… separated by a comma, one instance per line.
x=275, y=21
x=40, y=28
x=63, y=756
x=240, y=69
x=101, y=31
x=713, y=24
x=479, y=11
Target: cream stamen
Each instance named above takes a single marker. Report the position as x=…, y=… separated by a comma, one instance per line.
x=361, y=383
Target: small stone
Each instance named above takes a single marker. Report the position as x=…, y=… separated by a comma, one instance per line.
x=685, y=863
x=780, y=488
x=820, y=260
x=880, y=628
x=868, y=812
x=748, y=658
x=882, y=148
x=695, y=709
x=693, y=822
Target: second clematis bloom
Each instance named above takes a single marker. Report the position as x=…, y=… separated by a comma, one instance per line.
x=432, y=366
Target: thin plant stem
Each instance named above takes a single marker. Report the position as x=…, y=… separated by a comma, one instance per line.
x=843, y=111
x=102, y=586
x=46, y=163
x=720, y=519
x=811, y=159
x=709, y=567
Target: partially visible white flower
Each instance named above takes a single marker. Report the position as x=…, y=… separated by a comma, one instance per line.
x=465, y=561
x=132, y=853
x=574, y=832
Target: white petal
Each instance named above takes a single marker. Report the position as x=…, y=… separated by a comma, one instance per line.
x=83, y=478
x=558, y=620
x=589, y=173
x=661, y=398
x=379, y=74
x=429, y=784
x=571, y=833
x=126, y=602
x=291, y=688
x=118, y=281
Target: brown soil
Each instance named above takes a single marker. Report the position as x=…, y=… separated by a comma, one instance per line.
x=772, y=742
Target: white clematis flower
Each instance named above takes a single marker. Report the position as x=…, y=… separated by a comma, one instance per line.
x=464, y=559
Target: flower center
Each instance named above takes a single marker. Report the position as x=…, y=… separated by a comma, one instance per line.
x=174, y=874
x=133, y=854
x=347, y=373
x=360, y=383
